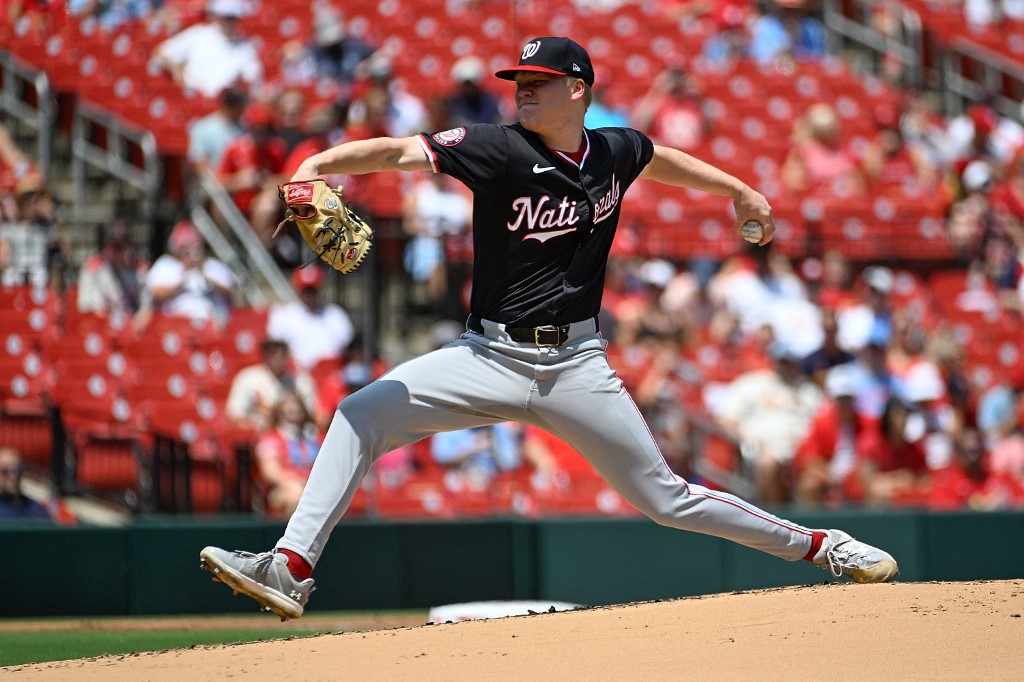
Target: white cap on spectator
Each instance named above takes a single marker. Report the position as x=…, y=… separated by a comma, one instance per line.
x=468, y=68
x=977, y=176
x=328, y=26
x=227, y=8
x=879, y=277
x=657, y=272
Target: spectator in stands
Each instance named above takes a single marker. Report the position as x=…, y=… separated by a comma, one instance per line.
x=251, y=170
x=480, y=453
x=671, y=111
x=890, y=458
x=966, y=484
x=981, y=133
x=184, y=282
x=112, y=14
x=760, y=287
x=836, y=288
x=289, y=109
x=939, y=424
x=923, y=128
x=817, y=159
x=769, y=412
x=602, y=114
x=470, y=103
x=789, y=29
x=257, y=388
x=435, y=208
x=873, y=383
x=660, y=396
x=890, y=163
x=210, y=56
x=1007, y=199
x=825, y=464
x=386, y=105
x=829, y=354
x=33, y=248
x=14, y=503
x=16, y=168
x=210, y=135
x=313, y=329
x=35, y=16
x=285, y=453
x=998, y=421
x=972, y=216
x=111, y=283
x=871, y=318
x=730, y=40
x=643, y=316
x=339, y=56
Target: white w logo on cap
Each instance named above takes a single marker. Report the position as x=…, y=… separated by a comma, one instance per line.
x=530, y=49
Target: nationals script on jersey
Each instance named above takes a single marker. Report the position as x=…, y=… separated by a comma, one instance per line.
x=542, y=225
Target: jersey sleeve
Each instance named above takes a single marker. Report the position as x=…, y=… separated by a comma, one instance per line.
x=475, y=155
x=640, y=146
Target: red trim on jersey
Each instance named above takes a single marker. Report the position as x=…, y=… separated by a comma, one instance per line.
x=430, y=152
x=510, y=74
x=769, y=519
x=653, y=439
x=578, y=157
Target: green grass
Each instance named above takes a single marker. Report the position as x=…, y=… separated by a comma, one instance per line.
x=36, y=647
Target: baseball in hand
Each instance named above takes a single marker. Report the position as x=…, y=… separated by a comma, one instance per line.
x=752, y=231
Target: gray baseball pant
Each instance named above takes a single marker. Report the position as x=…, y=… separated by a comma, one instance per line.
x=570, y=391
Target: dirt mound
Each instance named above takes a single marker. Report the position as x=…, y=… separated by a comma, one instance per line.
x=904, y=631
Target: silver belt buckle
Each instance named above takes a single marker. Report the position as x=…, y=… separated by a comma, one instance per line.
x=546, y=328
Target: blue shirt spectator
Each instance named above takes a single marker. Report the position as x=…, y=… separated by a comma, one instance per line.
x=484, y=450
x=14, y=504
x=792, y=32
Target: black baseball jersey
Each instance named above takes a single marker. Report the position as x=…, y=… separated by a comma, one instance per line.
x=542, y=226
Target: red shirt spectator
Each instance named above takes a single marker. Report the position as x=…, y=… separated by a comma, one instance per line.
x=253, y=160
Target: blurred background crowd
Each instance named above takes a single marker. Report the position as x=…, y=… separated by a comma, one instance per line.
x=871, y=356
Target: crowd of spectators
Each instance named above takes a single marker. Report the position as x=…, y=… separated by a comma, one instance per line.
x=832, y=381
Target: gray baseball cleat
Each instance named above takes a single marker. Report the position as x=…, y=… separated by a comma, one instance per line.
x=841, y=555
x=264, y=577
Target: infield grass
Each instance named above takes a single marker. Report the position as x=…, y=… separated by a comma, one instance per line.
x=38, y=647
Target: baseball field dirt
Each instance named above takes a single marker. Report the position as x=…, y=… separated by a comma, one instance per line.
x=899, y=631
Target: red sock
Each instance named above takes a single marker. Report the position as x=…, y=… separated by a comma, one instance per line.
x=817, y=537
x=299, y=567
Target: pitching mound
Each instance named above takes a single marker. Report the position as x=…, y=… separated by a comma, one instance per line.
x=901, y=631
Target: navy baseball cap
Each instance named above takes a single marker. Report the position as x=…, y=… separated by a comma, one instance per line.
x=555, y=55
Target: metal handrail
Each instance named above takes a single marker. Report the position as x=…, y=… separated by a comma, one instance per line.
x=907, y=46
x=113, y=158
x=208, y=187
x=41, y=116
x=958, y=88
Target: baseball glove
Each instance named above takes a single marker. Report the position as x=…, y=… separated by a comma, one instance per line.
x=334, y=231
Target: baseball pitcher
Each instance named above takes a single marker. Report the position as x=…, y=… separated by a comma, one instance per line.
x=547, y=197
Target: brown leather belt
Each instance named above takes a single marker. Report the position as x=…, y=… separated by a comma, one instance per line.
x=545, y=336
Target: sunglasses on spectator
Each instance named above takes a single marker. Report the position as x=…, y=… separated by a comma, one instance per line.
x=10, y=471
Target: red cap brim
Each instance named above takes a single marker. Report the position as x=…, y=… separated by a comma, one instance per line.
x=510, y=74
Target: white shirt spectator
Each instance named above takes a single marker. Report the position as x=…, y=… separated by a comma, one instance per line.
x=312, y=335
x=255, y=390
x=212, y=60
x=26, y=248
x=197, y=298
